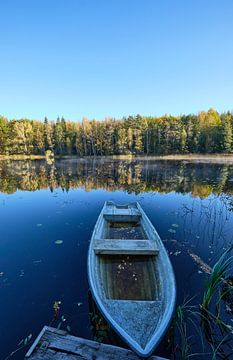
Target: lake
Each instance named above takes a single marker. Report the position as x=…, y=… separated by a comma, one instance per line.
x=47, y=214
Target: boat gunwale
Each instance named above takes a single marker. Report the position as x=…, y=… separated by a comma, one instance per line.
x=165, y=318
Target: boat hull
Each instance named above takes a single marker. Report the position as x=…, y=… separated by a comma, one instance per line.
x=140, y=305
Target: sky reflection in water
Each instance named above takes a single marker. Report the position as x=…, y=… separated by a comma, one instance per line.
x=189, y=204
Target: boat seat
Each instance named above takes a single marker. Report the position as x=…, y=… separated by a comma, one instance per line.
x=125, y=247
x=122, y=214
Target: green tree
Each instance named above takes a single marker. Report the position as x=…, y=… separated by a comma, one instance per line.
x=4, y=135
x=226, y=133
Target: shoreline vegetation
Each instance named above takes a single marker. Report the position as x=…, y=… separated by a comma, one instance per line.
x=207, y=132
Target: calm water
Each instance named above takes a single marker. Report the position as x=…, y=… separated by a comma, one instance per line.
x=189, y=204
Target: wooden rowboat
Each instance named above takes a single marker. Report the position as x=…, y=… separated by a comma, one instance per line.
x=131, y=277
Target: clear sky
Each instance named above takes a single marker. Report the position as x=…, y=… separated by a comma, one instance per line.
x=99, y=58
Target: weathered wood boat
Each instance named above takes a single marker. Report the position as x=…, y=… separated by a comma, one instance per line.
x=131, y=277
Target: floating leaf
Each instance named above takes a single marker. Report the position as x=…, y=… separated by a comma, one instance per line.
x=172, y=231
x=58, y=242
x=177, y=253
x=37, y=261
x=175, y=225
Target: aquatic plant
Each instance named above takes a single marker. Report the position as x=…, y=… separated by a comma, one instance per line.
x=217, y=277
x=215, y=334
x=180, y=338
x=21, y=345
x=217, y=331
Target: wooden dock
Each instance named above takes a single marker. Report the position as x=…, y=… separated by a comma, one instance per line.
x=57, y=344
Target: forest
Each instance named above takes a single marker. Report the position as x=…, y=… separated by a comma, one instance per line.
x=205, y=132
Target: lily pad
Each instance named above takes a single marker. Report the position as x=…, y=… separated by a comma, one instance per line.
x=59, y=242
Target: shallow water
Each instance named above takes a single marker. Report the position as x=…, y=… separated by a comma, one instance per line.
x=189, y=204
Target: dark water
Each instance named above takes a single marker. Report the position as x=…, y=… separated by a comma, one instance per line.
x=189, y=204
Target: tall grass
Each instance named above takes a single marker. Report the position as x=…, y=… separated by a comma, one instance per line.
x=215, y=334
x=217, y=278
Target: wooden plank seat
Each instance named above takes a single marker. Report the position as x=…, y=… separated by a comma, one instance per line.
x=125, y=247
x=115, y=213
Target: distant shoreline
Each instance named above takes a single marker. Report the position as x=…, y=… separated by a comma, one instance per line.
x=212, y=158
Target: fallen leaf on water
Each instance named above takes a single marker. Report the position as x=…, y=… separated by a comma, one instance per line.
x=37, y=261
x=172, y=231
x=21, y=273
x=177, y=253
x=58, y=242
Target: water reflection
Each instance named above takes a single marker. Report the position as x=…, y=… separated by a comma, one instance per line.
x=189, y=204
x=136, y=176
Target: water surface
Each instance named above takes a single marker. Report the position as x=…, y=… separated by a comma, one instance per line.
x=47, y=214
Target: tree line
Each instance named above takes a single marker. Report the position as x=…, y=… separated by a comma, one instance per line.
x=205, y=132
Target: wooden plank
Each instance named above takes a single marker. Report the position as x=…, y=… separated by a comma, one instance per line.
x=122, y=217
x=125, y=247
x=59, y=345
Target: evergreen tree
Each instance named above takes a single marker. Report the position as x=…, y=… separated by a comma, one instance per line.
x=226, y=133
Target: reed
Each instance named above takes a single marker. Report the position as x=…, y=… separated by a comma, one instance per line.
x=214, y=334
x=217, y=278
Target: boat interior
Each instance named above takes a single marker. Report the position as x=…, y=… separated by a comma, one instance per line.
x=127, y=253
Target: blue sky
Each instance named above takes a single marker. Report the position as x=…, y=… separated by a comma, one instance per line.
x=100, y=58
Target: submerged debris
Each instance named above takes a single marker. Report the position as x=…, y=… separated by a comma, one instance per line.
x=202, y=265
